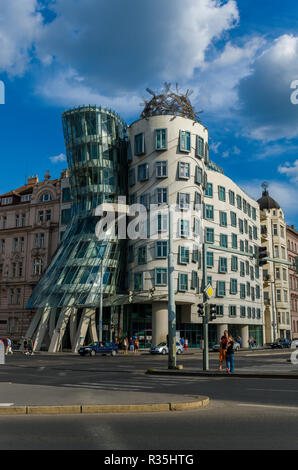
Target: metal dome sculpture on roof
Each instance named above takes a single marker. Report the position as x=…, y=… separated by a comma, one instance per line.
x=171, y=103
x=266, y=201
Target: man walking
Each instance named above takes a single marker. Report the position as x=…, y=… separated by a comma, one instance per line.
x=230, y=355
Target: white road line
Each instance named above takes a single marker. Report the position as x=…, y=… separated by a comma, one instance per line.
x=3, y=405
x=94, y=387
x=293, y=408
x=117, y=384
x=272, y=390
x=109, y=386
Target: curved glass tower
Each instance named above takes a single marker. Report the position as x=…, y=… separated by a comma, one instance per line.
x=84, y=269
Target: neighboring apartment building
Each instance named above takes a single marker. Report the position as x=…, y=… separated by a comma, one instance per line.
x=275, y=275
x=29, y=225
x=292, y=243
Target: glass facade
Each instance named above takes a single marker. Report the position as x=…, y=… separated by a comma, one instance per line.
x=96, y=148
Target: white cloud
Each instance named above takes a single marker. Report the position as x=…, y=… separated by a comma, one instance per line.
x=58, y=158
x=290, y=171
x=20, y=26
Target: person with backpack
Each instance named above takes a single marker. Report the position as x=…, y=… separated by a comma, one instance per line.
x=30, y=346
x=230, y=355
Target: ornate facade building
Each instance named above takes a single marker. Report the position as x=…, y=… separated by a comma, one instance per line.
x=292, y=243
x=29, y=236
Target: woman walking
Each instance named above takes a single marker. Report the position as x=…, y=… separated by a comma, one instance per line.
x=223, y=349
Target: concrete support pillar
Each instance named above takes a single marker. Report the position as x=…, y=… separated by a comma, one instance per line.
x=42, y=329
x=93, y=329
x=52, y=322
x=73, y=326
x=159, y=322
x=244, y=335
x=56, y=338
x=82, y=329
x=220, y=331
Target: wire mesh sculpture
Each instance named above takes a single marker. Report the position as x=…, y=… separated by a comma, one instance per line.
x=171, y=103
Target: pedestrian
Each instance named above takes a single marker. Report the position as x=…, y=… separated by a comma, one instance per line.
x=182, y=341
x=186, y=344
x=30, y=346
x=137, y=345
x=250, y=342
x=25, y=346
x=223, y=349
x=255, y=343
x=125, y=344
x=9, y=349
x=230, y=355
x=131, y=344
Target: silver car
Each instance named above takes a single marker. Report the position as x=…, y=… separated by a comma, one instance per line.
x=162, y=348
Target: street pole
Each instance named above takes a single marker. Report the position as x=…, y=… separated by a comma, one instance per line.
x=171, y=297
x=100, y=303
x=206, y=312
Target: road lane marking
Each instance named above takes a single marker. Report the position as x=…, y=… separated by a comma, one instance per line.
x=293, y=408
x=5, y=405
x=272, y=390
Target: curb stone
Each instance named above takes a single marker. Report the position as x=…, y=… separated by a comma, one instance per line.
x=216, y=374
x=199, y=402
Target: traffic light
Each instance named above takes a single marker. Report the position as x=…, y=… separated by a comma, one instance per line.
x=212, y=312
x=296, y=264
x=261, y=254
x=201, y=310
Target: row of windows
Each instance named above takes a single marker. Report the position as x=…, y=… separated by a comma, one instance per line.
x=160, y=196
x=18, y=243
x=252, y=231
x=46, y=197
x=161, y=171
x=249, y=312
x=161, y=143
x=161, y=252
x=237, y=200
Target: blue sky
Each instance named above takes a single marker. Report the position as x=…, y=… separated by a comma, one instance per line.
x=238, y=57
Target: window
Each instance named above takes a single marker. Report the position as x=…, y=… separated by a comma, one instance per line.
x=199, y=175
x=209, y=235
x=195, y=254
x=196, y=226
x=161, y=169
x=161, y=276
x=232, y=197
x=221, y=193
x=254, y=213
x=242, y=291
x=131, y=177
x=37, y=266
x=234, y=241
x=234, y=263
x=275, y=232
x=143, y=172
x=233, y=219
x=26, y=198
x=161, y=249
x=198, y=200
x=130, y=253
x=6, y=200
x=183, y=282
x=242, y=245
x=184, y=141
x=2, y=246
x=65, y=216
x=219, y=310
x=248, y=312
x=221, y=289
x=183, y=255
x=232, y=311
x=223, y=240
x=209, y=214
x=183, y=200
x=162, y=223
x=242, y=311
x=233, y=286
x=209, y=190
x=239, y=202
x=183, y=170
x=194, y=280
x=46, y=197
x=200, y=147
x=244, y=206
x=223, y=219
x=183, y=228
x=161, y=195
x=17, y=220
x=145, y=200
x=48, y=215
x=160, y=139
x=65, y=194
x=209, y=258
x=139, y=144
x=139, y=281
x=258, y=292
x=222, y=265
x=142, y=255
x=4, y=221
x=240, y=221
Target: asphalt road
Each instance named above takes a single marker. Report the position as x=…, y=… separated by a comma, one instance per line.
x=245, y=413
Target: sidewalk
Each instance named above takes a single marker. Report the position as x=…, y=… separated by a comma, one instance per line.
x=16, y=399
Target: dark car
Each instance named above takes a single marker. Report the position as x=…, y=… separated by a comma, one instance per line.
x=98, y=348
x=281, y=343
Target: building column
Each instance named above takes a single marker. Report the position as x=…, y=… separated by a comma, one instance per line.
x=73, y=326
x=82, y=329
x=93, y=329
x=59, y=331
x=244, y=335
x=160, y=325
x=43, y=325
x=220, y=331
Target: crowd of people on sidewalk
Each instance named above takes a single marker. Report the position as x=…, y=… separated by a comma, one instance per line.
x=131, y=344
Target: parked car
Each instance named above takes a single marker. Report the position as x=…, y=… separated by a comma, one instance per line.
x=236, y=347
x=294, y=344
x=280, y=343
x=98, y=348
x=162, y=348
